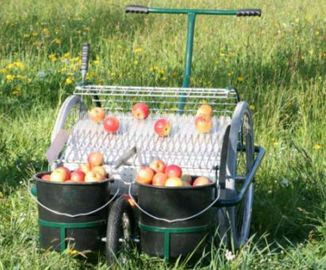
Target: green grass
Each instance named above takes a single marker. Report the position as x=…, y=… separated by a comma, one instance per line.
x=278, y=63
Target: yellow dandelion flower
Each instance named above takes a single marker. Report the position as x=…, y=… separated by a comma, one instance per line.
x=10, y=66
x=46, y=31
x=10, y=77
x=66, y=55
x=53, y=57
x=252, y=107
x=72, y=252
x=96, y=62
x=16, y=92
x=317, y=146
x=317, y=33
x=240, y=79
x=57, y=41
x=3, y=70
x=138, y=50
x=19, y=64
x=69, y=80
x=230, y=73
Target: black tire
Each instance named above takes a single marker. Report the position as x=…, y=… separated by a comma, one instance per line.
x=121, y=229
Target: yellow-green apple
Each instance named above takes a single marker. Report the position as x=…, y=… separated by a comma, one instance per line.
x=140, y=110
x=174, y=182
x=201, y=181
x=203, y=124
x=46, y=177
x=77, y=176
x=93, y=177
x=100, y=170
x=162, y=127
x=157, y=165
x=96, y=114
x=85, y=168
x=111, y=124
x=173, y=171
x=159, y=179
x=145, y=175
x=95, y=159
x=60, y=174
x=205, y=110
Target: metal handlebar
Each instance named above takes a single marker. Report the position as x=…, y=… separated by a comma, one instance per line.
x=230, y=12
x=191, y=13
x=85, y=58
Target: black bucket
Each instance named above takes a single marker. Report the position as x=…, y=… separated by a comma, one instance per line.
x=181, y=238
x=83, y=232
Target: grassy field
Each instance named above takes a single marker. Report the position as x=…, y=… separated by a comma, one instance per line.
x=278, y=63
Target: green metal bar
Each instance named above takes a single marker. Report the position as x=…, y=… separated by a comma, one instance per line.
x=62, y=238
x=193, y=229
x=224, y=12
x=168, y=231
x=64, y=226
x=188, y=61
x=79, y=225
x=166, y=248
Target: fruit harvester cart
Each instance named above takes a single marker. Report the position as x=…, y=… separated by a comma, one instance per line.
x=226, y=154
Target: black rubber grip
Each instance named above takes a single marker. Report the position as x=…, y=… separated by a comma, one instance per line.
x=137, y=9
x=85, y=56
x=249, y=12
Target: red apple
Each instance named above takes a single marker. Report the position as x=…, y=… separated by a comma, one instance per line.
x=111, y=124
x=46, y=177
x=96, y=114
x=95, y=159
x=145, y=175
x=203, y=124
x=162, y=127
x=159, y=179
x=77, y=176
x=201, y=181
x=60, y=174
x=140, y=111
x=205, y=110
x=157, y=165
x=173, y=171
x=100, y=170
x=93, y=177
x=174, y=182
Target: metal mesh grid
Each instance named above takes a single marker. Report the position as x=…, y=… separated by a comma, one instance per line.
x=197, y=154
x=161, y=99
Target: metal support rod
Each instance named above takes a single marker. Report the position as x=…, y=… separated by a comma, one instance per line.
x=188, y=59
x=238, y=198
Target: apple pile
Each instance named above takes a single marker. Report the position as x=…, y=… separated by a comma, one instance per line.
x=111, y=124
x=203, y=119
x=91, y=172
x=161, y=175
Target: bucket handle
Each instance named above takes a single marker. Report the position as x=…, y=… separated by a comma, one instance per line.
x=177, y=219
x=32, y=193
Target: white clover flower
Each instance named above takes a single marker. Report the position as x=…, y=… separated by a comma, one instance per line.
x=229, y=255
